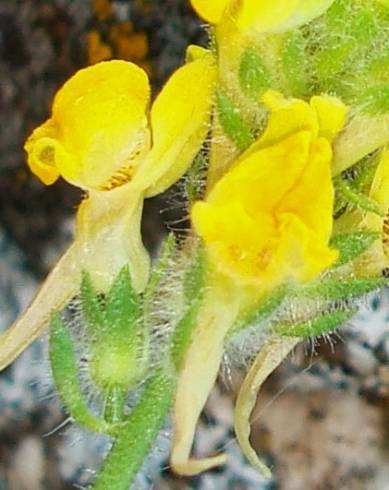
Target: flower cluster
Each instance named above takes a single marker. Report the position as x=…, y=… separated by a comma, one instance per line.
x=281, y=129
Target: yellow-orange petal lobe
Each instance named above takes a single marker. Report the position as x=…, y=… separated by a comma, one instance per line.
x=99, y=127
x=269, y=219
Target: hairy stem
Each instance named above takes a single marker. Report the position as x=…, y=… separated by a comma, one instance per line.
x=136, y=437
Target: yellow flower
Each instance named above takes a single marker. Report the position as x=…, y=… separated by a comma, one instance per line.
x=266, y=222
x=98, y=129
x=261, y=15
x=102, y=137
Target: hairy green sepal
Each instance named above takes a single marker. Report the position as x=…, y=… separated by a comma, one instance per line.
x=64, y=369
x=261, y=311
x=253, y=75
x=336, y=289
x=114, y=363
x=138, y=433
x=351, y=245
x=232, y=122
x=357, y=198
x=320, y=325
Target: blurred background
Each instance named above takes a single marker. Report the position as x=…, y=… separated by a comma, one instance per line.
x=322, y=421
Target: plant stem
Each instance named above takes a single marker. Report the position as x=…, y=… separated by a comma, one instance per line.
x=138, y=433
x=114, y=404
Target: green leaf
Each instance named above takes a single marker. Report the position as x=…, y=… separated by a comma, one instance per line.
x=317, y=326
x=64, y=369
x=261, y=311
x=351, y=245
x=363, y=172
x=91, y=303
x=194, y=179
x=336, y=289
x=138, y=434
x=375, y=99
x=254, y=77
x=356, y=198
x=232, y=122
x=294, y=63
x=331, y=60
x=194, y=278
x=364, y=27
x=122, y=306
x=337, y=15
x=378, y=65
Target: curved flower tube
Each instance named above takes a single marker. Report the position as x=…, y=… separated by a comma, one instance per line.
x=266, y=222
x=102, y=138
x=264, y=15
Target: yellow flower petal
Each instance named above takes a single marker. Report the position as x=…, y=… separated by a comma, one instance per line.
x=287, y=116
x=179, y=121
x=194, y=52
x=331, y=114
x=300, y=255
x=309, y=201
x=262, y=15
x=270, y=356
x=278, y=15
x=98, y=127
x=210, y=10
